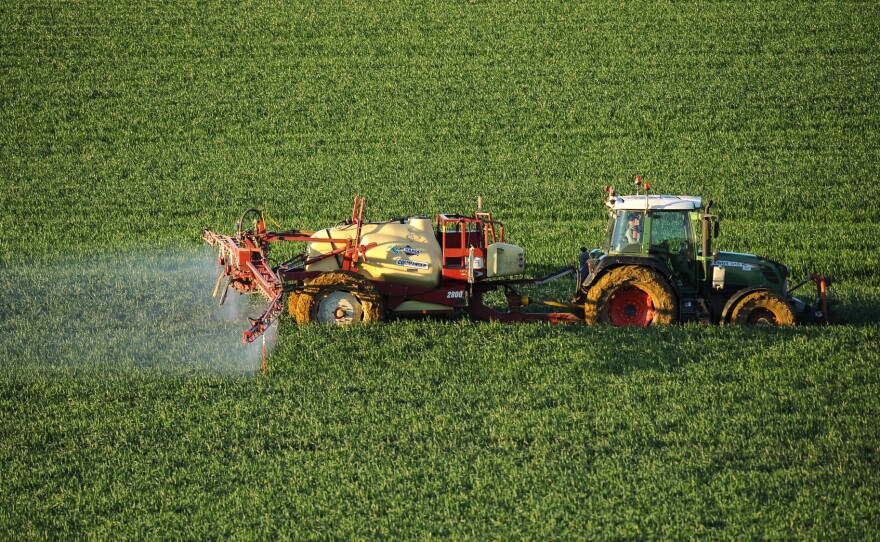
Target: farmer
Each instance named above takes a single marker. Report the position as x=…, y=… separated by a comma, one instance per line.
x=634, y=229
x=583, y=269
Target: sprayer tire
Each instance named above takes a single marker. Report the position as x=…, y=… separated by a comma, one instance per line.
x=292, y=302
x=343, y=282
x=631, y=295
x=762, y=308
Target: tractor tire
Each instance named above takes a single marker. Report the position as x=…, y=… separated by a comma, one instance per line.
x=292, y=301
x=762, y=308
x=631, y=296
x=339, y=298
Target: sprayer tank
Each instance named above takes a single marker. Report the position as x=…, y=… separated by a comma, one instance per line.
x=405, y=252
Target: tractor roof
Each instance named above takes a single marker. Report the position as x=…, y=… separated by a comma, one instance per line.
x=662, y=203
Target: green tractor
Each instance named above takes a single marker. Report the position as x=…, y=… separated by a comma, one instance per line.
x=657, y=266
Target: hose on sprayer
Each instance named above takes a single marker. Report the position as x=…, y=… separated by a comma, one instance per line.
x=240, y=223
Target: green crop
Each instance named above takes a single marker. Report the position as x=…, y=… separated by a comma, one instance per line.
x=128, y=410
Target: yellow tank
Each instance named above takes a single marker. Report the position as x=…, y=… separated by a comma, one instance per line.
x=505, y=259
x=406, y=251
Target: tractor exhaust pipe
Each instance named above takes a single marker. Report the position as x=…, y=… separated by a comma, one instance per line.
x=706, y=220
x=707, y=239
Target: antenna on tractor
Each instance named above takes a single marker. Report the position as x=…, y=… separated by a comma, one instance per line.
x=647, y=186
x=479, y=204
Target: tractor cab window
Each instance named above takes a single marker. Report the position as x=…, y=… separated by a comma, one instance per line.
x=672, y=237
x=628, y=230
x=669, y=230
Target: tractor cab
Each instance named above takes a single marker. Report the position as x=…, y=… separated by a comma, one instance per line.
x=662, y=227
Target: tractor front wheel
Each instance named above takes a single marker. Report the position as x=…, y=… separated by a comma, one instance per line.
x=762, y=308
x=631, y=296
x=338, y=298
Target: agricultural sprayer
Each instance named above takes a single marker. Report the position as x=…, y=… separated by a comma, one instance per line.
x=655, y=267
x=359, y=271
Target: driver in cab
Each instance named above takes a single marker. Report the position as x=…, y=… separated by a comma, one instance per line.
x=634, y=229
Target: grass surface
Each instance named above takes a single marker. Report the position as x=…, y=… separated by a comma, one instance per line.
x=127, y=411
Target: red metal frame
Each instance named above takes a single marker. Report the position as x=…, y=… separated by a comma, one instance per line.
x=459, y=235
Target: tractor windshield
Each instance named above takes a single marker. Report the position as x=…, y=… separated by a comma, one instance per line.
x=627, y=234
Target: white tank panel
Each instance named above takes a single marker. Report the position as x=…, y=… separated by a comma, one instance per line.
x=405, y=252
x=504, y=259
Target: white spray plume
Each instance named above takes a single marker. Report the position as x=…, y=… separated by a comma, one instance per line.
x=145, y=310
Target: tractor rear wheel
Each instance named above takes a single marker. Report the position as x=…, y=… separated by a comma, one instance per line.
x=631, y=296
x=338, y=298
x=762, y=308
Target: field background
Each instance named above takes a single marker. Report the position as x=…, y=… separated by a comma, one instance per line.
x=127, y=411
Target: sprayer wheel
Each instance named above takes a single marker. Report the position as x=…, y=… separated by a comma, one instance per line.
x=292, y=302
x=631, y=296
x=762, y=308
x=338, y=298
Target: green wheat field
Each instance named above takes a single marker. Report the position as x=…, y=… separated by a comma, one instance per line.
x=129, y=409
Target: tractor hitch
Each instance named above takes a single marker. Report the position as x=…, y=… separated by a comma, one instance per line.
x=820, y=310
